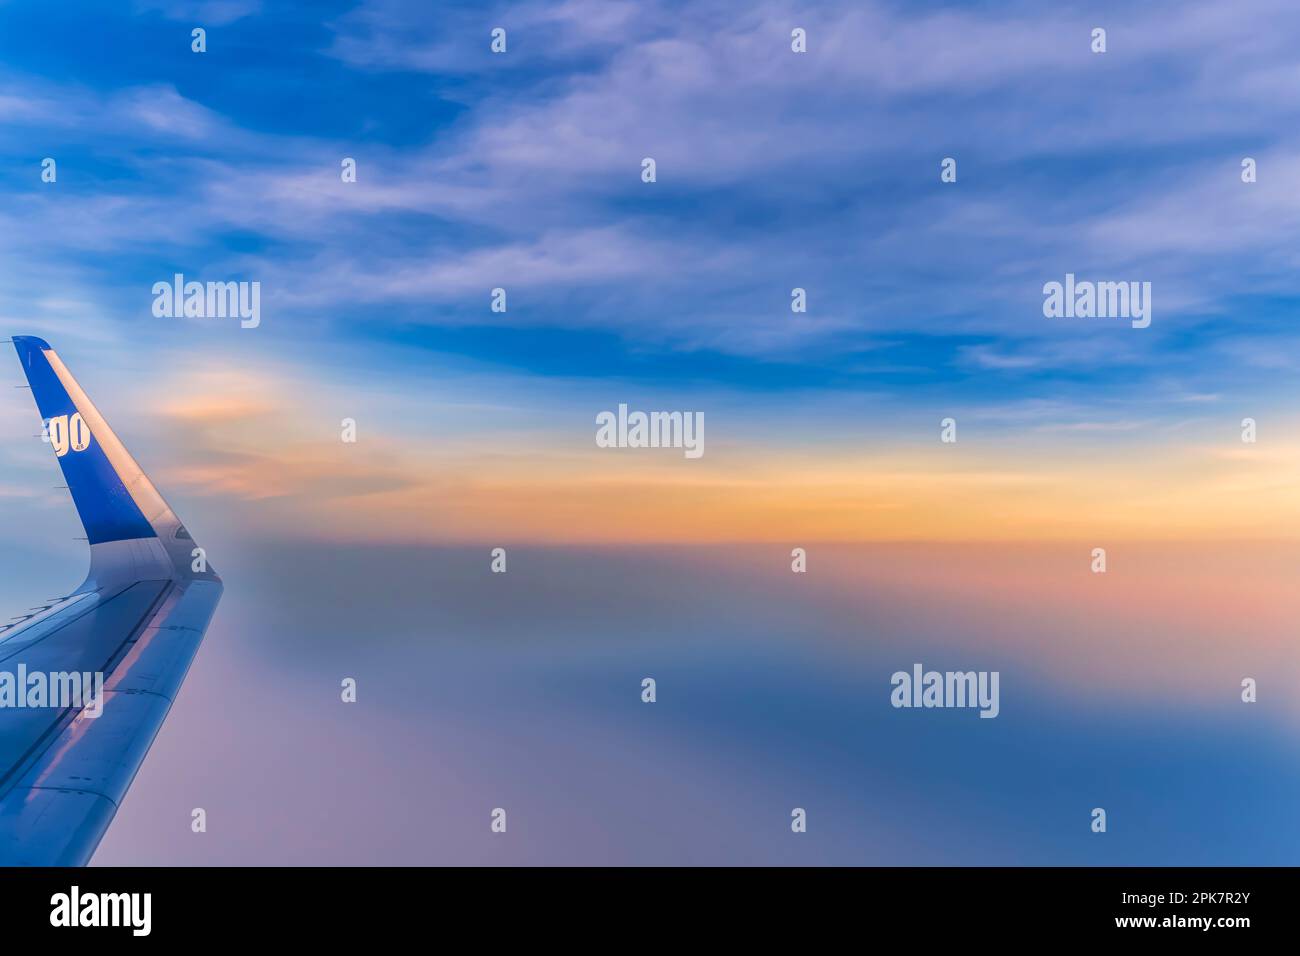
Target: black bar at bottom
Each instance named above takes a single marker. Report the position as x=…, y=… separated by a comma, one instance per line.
x=334, y=905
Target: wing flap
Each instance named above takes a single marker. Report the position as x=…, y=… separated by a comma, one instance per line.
x=159, y=659
x=98, y=756
x=52, y=827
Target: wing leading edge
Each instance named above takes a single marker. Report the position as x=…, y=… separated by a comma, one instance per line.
x=137, y=620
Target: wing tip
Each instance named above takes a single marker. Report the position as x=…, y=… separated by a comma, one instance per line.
x=31, y=342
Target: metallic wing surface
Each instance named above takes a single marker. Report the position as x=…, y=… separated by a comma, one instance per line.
x=66, y=759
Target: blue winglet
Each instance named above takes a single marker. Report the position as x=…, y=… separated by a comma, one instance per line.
x=106, y=507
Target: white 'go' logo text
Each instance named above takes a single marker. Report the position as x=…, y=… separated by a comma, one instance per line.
x=67, y=432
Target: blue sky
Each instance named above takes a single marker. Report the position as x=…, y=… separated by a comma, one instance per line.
x=775, y=171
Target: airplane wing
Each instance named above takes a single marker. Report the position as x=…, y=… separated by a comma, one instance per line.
x=67, y=756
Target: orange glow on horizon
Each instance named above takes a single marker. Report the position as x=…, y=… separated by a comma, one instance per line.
x=258, y=436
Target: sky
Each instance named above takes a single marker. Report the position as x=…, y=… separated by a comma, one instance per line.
x=818, y=171
x=775, y=170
